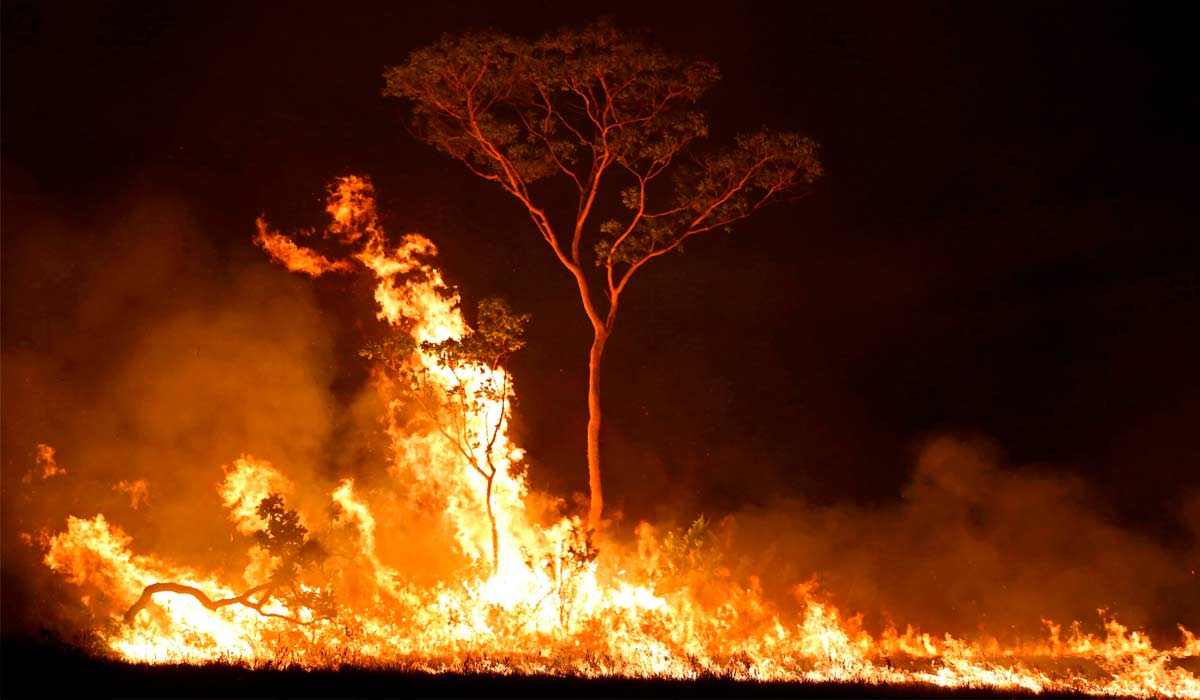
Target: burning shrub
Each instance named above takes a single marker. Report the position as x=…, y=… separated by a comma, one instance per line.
x=291, y=554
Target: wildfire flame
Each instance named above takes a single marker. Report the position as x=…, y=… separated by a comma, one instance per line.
x=550, y=602
x=46, y=466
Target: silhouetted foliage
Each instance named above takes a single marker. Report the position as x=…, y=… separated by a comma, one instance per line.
x=287, y=540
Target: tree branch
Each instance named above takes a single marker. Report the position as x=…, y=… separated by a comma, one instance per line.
x=244, y=600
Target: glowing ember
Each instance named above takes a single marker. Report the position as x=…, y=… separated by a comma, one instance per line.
x=536, y=596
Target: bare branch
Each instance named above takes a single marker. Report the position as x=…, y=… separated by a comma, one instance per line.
x=244, y=600
x=541, y=135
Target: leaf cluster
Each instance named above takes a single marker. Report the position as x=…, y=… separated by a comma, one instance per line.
x=284, y=537
x=498, y=333
x=581, y=104
x=565, y=564
x=392, y=351
x=550, y=105
x=710, y=191
x=690, y=551
x=571, y=557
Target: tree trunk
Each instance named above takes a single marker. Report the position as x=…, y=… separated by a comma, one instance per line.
x=596, y=507
x=492, y=519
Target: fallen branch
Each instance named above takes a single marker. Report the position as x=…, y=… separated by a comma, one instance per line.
x=244, y=600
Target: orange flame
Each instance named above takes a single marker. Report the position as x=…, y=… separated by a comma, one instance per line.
x=138, y=491
x=552, y=603
x=46, y=466
x=295, y=257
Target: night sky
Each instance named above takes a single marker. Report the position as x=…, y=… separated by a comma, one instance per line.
x=1004, y=245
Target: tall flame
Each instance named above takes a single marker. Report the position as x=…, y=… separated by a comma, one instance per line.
x=550, y=602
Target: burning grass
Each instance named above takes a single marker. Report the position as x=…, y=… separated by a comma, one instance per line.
x=523, y=598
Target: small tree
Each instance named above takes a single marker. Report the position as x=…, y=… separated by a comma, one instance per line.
x=617, y=120
x=563, y=565
x=460, y=413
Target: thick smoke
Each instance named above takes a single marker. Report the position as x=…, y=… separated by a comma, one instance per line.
x=147, y=362
x=977, y=546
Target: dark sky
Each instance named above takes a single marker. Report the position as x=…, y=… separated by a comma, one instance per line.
x=1005, y=243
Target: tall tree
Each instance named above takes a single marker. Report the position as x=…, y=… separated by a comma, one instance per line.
x=617, y=119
